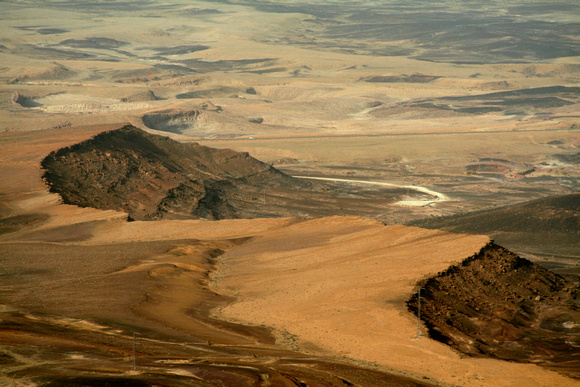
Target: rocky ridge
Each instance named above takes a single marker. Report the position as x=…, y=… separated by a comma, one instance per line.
x=152, y=177
x=497, y=304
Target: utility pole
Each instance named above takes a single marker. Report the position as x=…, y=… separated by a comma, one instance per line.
x=419, y=332
x=134, y=368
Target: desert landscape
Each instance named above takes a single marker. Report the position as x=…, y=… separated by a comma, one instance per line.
x=268, y=193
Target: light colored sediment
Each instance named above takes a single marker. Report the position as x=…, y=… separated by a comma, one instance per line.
x=338, y=285
x=438, y=196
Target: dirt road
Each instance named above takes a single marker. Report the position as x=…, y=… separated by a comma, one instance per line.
x=439, y=197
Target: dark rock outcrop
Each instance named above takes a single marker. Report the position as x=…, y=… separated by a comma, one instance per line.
x=496, y=304
x=153, y=177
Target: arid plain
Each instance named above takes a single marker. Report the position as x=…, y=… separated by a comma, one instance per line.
x=404, y=114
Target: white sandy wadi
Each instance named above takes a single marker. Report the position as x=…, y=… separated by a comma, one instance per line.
x=439, y=197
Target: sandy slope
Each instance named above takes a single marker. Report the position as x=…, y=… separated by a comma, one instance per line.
x=339, y=284
x=329, y=286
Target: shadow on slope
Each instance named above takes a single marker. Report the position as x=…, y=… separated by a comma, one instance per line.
x=546, y=227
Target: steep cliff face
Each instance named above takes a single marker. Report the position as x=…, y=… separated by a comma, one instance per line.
x=153, y=177
x=499, y=305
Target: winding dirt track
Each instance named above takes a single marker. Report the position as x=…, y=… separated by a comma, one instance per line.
x=405, y=134
x=414, y=203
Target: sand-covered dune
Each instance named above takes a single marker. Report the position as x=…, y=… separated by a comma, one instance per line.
x=298, y=299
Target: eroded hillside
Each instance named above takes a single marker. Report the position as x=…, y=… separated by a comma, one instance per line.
x=499, y=305
x=153, y=177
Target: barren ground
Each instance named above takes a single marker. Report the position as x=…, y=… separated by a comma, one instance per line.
x=373, y=91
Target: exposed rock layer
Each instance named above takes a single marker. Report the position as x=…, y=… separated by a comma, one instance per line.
x=153, y=177
x=500, y=305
